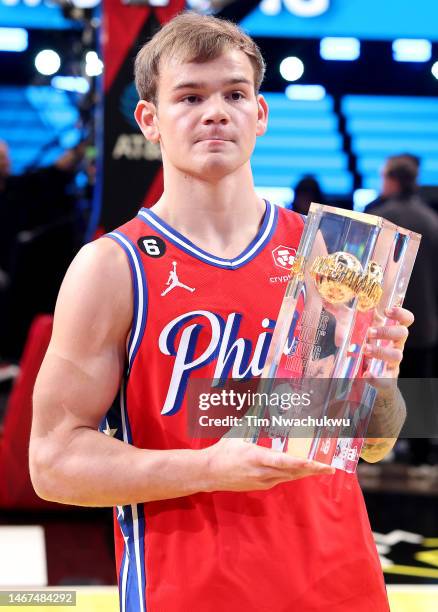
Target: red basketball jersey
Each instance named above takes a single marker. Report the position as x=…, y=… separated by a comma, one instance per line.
x=301, y=546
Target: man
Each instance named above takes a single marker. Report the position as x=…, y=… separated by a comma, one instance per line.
x=306, y=191
x=402, y=204
x=399, y=177
x=232, y=525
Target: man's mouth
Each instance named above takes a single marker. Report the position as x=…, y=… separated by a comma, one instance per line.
x=214, y=136
x=214, y=139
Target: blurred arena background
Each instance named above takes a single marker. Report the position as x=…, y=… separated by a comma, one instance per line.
x=349, y=83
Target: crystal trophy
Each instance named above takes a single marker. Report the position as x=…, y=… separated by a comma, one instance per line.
x=349, y=268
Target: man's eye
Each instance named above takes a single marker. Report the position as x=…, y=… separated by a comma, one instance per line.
x=191, y=99
x=236, y=95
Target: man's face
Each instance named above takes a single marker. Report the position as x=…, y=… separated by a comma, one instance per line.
x=207, y=116
x=5, y=162
x=390, y=186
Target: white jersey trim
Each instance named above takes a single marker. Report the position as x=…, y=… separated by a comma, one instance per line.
x=139, y=295
x=189, y=247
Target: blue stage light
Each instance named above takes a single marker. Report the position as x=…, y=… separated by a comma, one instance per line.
x=341, y=49
x=363, y=197
x=282, y=196
x=13, y=39
x=305, y=92
x=410, y=50
x=71, y=83
x=270, y=7
x=85, y=4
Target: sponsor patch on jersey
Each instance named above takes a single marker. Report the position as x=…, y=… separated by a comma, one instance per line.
x=284, y=278
x=284, y=256
x=152, y=246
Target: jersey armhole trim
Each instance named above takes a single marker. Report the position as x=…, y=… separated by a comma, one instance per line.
x=139, y=284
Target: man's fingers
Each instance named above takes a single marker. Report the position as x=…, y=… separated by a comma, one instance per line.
x=401, y=315
x=287, y=463
x=314, y=468
x=300, y=472
x=287, y=477
x=280, y=461
x=396, y=333
x=388, y=354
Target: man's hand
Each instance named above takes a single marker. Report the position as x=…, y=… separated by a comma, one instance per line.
x=389, y=411
x=392, y=336
x=236, y=465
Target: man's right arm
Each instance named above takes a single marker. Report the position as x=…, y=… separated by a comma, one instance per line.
x=70, y=460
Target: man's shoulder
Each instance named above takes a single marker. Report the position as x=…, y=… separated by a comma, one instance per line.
x=420, y=208
x=427, y=211
x=373, y=207
x=100, y=252
x=414, y=214
x=99, y=265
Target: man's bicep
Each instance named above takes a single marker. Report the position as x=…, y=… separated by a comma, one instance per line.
x=81, y=372
x=69, y=395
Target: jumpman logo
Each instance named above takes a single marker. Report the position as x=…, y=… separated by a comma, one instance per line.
x=173, y=281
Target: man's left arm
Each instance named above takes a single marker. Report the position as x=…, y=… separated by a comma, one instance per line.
x=389, y=409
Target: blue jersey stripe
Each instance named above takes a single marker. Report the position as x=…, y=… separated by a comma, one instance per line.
x=140, y=294
x=126, y=427
x=138, y=549
x=123, y=575
x=262, y=238
x=132, y=526
x=132, y=577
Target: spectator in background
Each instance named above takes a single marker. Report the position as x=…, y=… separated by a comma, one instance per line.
x=39, y=237
x=401, y=204
x=306, y=191
x=403, y=184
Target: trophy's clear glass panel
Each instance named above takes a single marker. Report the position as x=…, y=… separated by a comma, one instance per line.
x=349, y=268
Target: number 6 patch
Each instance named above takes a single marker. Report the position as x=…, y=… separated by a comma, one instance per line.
x=152, y=246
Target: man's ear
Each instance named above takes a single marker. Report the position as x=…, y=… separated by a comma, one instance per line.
x=262, y=115
x=146, y=116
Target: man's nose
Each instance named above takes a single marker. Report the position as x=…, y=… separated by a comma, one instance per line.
x=215, y=111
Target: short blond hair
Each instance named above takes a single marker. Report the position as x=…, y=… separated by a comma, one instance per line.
x=191, y=37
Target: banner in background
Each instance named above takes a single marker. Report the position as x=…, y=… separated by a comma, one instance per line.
x=364, y=19
x=131, y=171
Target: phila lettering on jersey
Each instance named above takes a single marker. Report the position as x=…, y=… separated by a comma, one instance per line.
x=200, y=315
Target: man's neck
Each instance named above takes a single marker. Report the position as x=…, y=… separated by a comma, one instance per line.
x=221, y=217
